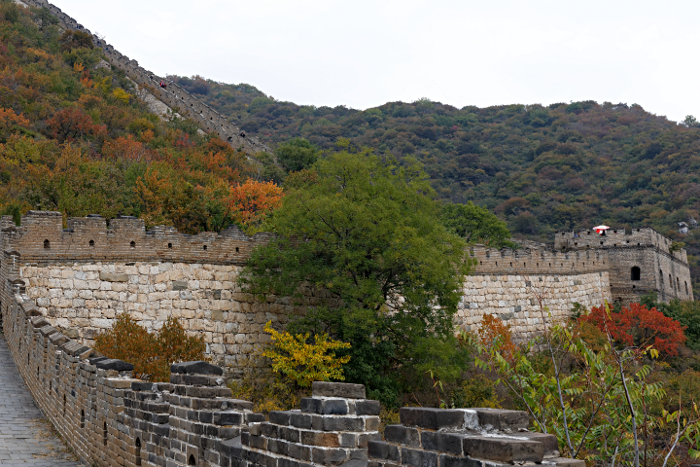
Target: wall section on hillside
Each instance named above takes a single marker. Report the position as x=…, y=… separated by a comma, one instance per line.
x=176, y=97
x=528, y=302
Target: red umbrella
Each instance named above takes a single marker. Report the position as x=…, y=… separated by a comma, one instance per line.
x=600, y=229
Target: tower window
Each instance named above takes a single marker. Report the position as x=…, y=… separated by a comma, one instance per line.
x=47, y=244
x=636, y=273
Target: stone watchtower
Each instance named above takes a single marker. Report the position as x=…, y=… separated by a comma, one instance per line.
x=639, y=261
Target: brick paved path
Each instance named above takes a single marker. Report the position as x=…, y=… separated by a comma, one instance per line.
x=26, y=437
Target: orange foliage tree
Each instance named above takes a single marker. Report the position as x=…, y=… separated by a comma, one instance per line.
x=72, y=123
x=252, y=201
x=150, y=353
x=493, y=332
x=639, y=326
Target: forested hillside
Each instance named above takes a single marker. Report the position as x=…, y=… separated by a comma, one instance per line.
x=74, y=138
x=540, y=168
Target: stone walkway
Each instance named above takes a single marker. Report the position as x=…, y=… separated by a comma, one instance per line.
x=26, y=437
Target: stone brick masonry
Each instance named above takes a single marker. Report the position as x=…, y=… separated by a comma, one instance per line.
x=110, y=419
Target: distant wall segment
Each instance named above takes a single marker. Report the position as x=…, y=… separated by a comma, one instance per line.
x=176, y=97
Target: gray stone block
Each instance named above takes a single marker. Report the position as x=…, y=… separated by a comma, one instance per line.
x=550, y=443
x=435, y=419
x=504, y=449
x=329, y=456
x=418, y=458
x=402, y=435
x=450, y=461
x=196, y=368
x=112, y=364
x=450, y=443
x=180, y=285
x=564, y=462
x=382, y=450
x=324, y=406
x=368, y=407
x=503, y=419
x=343, y=390
x=279, y=418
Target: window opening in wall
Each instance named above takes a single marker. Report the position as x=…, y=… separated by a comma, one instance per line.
x=670, y=280
x=50, y=385
x=192, y=460
x=64, y=405
x=636, y=273
x=511, y=265
x=238, y=250
x=138, y=451
x=686, y=287
x=47, y=244
x=661, y=276
x=480, y=262
x=104, y=433
x=204, y=248
x=678, y=284
x=133, y=244
x=82, y=419
x=170, y=246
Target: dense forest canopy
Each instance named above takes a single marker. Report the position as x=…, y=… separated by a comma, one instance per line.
x=542, y=169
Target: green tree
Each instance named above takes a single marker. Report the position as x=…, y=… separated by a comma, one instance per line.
x=368, y=232
x=296, y=154
x=475, y=224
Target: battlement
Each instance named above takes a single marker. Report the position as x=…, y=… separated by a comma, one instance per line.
x=174, y=95
x=616, y=238
x=536, y=261
x=42, y=239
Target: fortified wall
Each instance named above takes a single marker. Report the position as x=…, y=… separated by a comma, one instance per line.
x=639, y=261
x=110, y=419
x=174, y=96
x=79, y=278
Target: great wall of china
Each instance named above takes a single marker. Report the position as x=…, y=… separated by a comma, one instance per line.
x=174, y=96
x=59, y=287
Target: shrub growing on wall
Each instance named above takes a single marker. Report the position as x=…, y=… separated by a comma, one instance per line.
x=150, y=353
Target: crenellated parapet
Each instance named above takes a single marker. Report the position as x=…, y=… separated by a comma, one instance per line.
x=41, y=239
x=529, y=261
x=176, y=97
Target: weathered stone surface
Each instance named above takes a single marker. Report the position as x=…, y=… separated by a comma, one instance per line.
x=196, y=368
x=116, y=365
x=435, y=419
x=502, y=419
x=503, y=449
x=403, y=435
x=113, y=276
x=343, y=390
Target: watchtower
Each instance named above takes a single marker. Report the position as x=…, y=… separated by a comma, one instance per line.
x=639, y=261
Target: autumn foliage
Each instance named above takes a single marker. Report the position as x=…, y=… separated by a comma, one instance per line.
x=304, y=361
x=150, y=353
x=493, y=333
x=73, y=139
x=639, y=326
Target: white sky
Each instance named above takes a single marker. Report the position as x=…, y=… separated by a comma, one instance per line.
x=364, y=53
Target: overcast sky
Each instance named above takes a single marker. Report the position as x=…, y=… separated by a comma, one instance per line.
x=363, y=53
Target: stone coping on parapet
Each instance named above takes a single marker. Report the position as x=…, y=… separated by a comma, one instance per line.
x=176, y=96
x=616, y=238
x=41, y=238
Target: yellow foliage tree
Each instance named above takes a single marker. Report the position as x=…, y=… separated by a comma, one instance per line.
x=305, y=363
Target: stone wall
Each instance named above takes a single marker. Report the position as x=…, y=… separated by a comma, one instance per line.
x=525, y=301
x=110, y=419
x=465, y=438
x=80, y=277
x=639, y=261
x=174, y=96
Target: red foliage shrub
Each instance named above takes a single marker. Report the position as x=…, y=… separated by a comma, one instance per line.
x=637, y=325
x=72, y=123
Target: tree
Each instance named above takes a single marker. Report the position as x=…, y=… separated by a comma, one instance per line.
x=296, y=154
x=367, y=232
x=475, y=224
x=639, y=326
